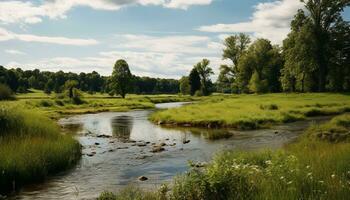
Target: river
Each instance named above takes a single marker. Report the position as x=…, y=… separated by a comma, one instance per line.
x=117, y=150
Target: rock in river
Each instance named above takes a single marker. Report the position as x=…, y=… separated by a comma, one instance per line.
x=143, y=178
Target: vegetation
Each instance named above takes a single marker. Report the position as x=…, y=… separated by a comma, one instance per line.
x=254, y=111
x=5, y=93
x=21, y=81
x=121, y=78
x=194, y=81
x=31, y=148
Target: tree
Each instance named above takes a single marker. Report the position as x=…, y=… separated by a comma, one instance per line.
x=300, y=63
x=185, y=87
x=225, y=80
x=263, y=60
x=235, y=47
x=70, y=85
x=194, y=81
x=324, y=16
x=121, y=78
x=204, y=72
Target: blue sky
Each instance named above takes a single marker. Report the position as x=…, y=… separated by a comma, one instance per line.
x=162, y=38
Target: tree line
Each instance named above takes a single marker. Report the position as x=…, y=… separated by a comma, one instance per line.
x=313, y=58
x=20, y=81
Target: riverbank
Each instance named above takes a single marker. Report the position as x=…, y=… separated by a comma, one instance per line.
x=32, y=147
x=314, y=167
x=56, y=108
x=247, y=112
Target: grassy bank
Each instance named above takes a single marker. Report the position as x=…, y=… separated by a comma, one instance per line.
x=312, y=168
x=31, y=147
x=56, y=107
x=253, y=111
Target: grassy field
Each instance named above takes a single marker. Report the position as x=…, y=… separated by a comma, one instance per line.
x=55, y=106
x=31, y=147
x=253, y=111
x=315, y=167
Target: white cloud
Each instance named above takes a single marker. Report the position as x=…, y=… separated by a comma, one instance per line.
x=167, y=56
x=14, y=52
x=15, y=11
x=7, y=35
x=188, y=44
x=270, y=20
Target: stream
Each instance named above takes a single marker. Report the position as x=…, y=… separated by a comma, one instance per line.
x=117, y=150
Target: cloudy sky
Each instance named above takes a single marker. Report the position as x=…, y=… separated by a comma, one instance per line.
x=161, y=38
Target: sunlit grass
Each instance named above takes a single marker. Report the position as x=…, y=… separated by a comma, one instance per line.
x=31, y=147
x=254, y=111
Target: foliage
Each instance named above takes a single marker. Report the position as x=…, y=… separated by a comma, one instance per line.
x=28, y=134
x=5, y=93
x=317, y=49
x=194, y=81
x=204, y=72
x=185, y=87
x=264, y=62
x=121, y=78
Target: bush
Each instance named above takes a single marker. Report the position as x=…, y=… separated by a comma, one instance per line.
x=45, y=103
x=5, y=93
x=59, y=102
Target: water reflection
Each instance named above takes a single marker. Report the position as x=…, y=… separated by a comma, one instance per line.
x=122, y=127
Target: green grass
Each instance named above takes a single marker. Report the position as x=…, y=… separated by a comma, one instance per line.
x=311, y=168
x=31, y=147
x=55, y=106
x=254, y=111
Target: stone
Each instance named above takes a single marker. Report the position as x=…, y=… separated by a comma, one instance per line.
x=143, y=178
x=160, y=122
x=276, y=132
x=186, y=141
x=122, y=147
x=141, y=144
x=162, y=144
x=157, y=149
x=96, y=143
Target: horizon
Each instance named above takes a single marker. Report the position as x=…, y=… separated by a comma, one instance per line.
x=157, y=38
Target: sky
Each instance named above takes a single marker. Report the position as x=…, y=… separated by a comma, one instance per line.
x=158, y=38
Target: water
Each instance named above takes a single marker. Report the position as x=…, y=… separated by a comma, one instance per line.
x=118, y=161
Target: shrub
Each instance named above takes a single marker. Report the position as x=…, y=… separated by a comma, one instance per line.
x=59, y=102
x=5, y=93
x=45, y=103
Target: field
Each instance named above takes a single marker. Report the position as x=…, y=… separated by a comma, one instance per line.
x=55, y=106
x=253, y=111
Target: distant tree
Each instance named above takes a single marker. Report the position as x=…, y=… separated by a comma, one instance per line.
x=204, y=72
x=185, y=87
x=121, y=78
x=194, y=81
x=70, y=85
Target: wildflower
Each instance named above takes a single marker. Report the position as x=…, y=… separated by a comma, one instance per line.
x=308, y=167
x=290, y=182
x=268, y=162
x=333, y=175
x=282, y=178
x=309, y=174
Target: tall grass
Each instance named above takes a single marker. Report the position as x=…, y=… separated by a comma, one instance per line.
x=254, y=111
x=31, y=148
x=311, y=168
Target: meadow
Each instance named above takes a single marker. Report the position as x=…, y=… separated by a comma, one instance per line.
x=253, y=111
x=31, y=147
x=55, y=106
x=311, y=168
